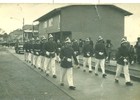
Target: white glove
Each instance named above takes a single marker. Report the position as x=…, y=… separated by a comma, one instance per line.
x=47, y=53
x=125, y=60
x=132, y=62
x=75, y=52
x=106, y=57
x=69, y=60
x=101, y=53
x=37, y=53
x=88, y=54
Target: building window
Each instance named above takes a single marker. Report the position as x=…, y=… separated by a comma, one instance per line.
x=50, y=22
x=58, y=21
x=45, y=24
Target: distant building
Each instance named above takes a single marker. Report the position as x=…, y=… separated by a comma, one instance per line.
x=16, y=35
x=82, y=21
x=30, y=31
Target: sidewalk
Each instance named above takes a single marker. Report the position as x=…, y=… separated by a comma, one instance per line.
x=91, y=87
x=111, y=68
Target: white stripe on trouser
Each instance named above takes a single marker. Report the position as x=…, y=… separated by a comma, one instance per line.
x=87, y=60
x=69, y=73
x=126, y=72
x=50, y=63
x=100, y=62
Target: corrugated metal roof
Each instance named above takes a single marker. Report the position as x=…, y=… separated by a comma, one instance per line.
x=58, y=10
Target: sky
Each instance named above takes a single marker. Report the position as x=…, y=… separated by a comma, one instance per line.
x=12, y=14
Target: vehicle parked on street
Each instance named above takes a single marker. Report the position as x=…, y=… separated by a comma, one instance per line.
x=19, y=48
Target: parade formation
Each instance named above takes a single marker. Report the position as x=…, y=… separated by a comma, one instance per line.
x=44, y=54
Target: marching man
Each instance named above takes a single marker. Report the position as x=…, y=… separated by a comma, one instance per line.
x=66, y=55
x=122, y=58
x=50, y=49
x=87, y=54
x=100, y=56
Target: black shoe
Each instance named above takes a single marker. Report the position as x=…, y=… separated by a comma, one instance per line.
x=54, y=76
x=62, y=84
x=96, y=74
x=47, y=74
x=78, y=67
x=41, y=70
x=116, y=81
x=84, y=70
x=34, y=66
x=72, y=87
x=90, y=71
x=129, y=83
x=104, y=75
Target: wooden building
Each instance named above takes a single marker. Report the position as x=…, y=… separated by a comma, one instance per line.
x=82, y=21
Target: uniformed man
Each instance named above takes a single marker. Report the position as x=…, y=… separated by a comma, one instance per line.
x=32, y=52
x=37, y=51
x=122, y=57
x=76, y=49
x=100, y=56
x=66, y=64
x=43, y=53
x=26, y=50
x=50, y=48
x=59, y=45
x=87, y=54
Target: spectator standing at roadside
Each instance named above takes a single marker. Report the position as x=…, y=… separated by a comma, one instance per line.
x=108, y=50
x=137, y=46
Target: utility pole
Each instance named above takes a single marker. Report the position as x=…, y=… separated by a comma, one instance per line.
x=23, y=31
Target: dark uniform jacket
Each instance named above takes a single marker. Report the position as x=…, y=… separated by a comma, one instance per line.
x=87, y=50
x=26, y=47
x=76, y=49
x=42, y=52
x=66, y=55
x=31, y=47
x=137, y=46
x=50, y=49
x=122, y=53
x=59, y=45
x=36, y=49
x=100, y=50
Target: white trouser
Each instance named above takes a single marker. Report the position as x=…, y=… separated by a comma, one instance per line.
x=50, y=63
x=38, y=61
x=29, y=57
x=100, y=62
x=26, y=55
x=87, y=60
x=126, y=72
x=69, y=73
x=32, y=58
x=42, y=62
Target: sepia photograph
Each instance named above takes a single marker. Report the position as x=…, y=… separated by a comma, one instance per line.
x=70, y=50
